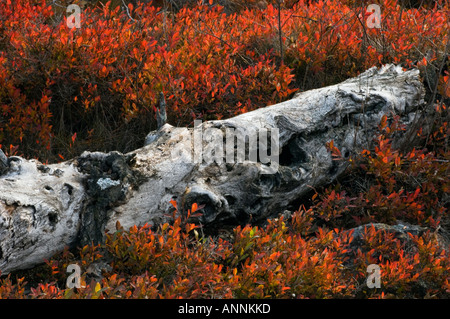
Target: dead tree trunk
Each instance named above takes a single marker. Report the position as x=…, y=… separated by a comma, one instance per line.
x=224, y=165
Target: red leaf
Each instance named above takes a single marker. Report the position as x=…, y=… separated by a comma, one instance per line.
x=174, y=203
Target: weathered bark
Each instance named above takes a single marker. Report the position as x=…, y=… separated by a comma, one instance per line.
x=45, y=207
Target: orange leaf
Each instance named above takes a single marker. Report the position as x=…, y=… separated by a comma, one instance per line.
x=317, y=36
x=383, y=121
x=194, y=207
x=424, y=61
x=174, y=203
x=74, y=136
x=63, y=39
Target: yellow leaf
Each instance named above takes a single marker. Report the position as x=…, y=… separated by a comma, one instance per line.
x=97, y=288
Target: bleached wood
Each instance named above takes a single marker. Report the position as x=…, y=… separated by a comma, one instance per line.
x=45, y=207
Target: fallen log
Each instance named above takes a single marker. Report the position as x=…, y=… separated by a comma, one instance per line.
x=246, y=168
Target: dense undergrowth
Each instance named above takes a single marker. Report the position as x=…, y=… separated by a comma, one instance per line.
x=65, y=90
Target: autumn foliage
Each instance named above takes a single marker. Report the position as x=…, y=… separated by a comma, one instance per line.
x=64, y=90
x=101, y=81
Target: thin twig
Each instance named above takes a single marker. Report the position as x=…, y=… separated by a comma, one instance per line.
x=280, y=33
x=128, y=12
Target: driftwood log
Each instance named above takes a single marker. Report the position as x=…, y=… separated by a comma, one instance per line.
x=275, y=156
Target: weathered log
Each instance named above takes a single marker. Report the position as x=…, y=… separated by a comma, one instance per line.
x=46, y=207
x=3, y=162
